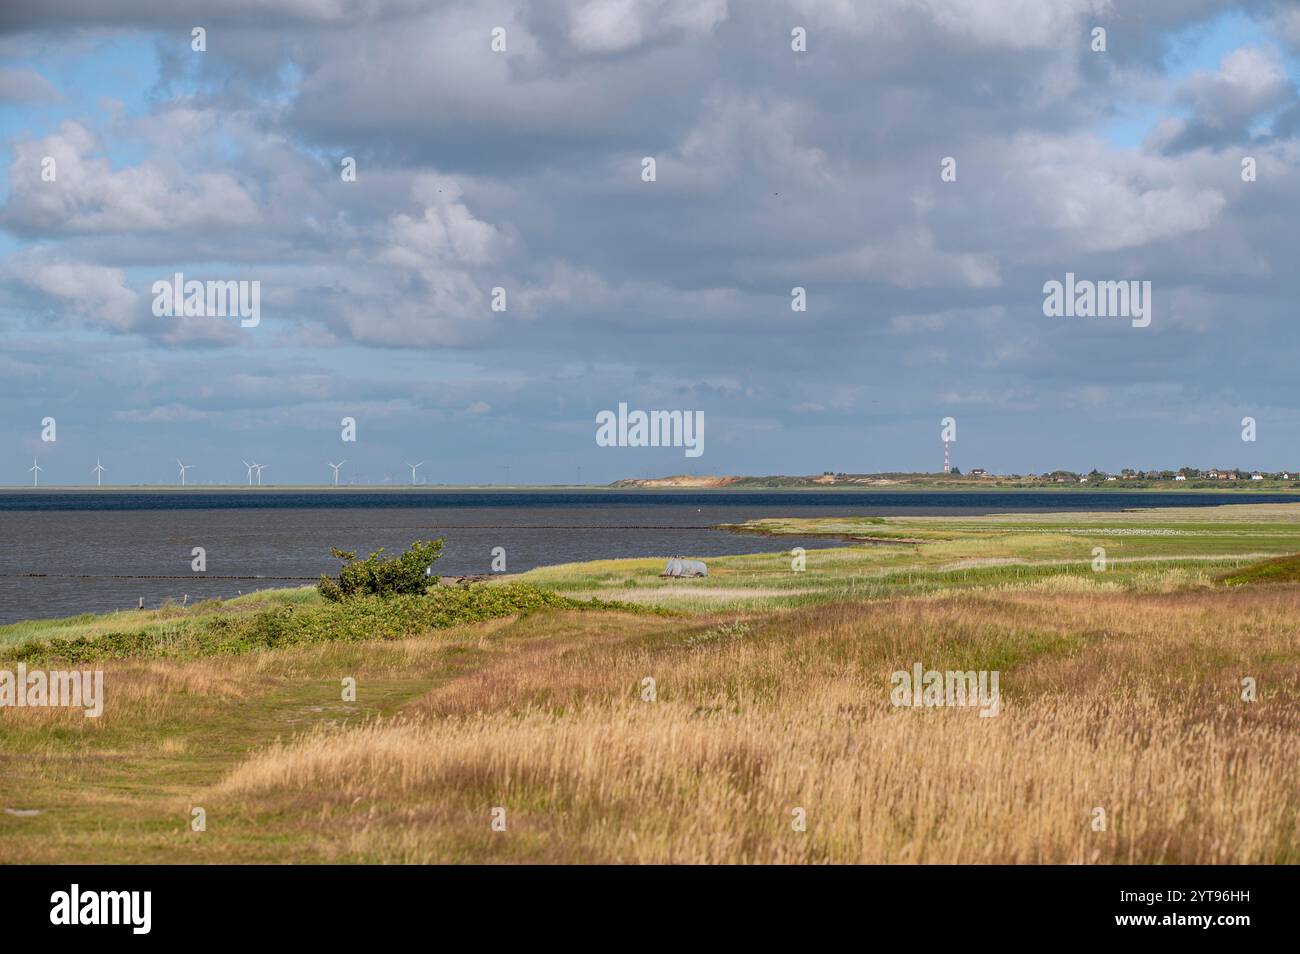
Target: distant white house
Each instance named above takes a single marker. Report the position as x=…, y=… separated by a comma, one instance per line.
x=1256, y=476
x=1083, y=480
x=1112, y=477
x=1181, y=477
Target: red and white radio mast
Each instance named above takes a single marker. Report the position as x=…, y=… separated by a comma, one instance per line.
x=947, y=462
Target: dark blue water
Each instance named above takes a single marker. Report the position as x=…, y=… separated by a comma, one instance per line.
x=883, y=502
x=64, y=552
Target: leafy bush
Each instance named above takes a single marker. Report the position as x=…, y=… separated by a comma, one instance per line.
x=83, y=648
x=377, y=575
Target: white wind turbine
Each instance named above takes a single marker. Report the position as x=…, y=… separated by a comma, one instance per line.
x=336, y=470
x=98, y=471
x=250, y=470
x=413, y=469
x=35, y=471
x=259, y=473
x=184, y=467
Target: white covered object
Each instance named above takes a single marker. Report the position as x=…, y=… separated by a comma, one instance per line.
x=677, y=566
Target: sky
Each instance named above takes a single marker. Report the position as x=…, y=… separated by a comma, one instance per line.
x=523, y=170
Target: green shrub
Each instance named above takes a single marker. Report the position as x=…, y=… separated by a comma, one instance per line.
x=357, y=619
x=377, y=575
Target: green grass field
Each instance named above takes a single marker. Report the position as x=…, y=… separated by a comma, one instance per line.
x=1144, y=549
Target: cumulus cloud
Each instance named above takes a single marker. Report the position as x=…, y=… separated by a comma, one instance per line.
x=419, y=288
x=908, y=258
x=745, y=138
x=445, y=231
x=1015, y=24
x=59, y=291
x=1101, y=199
x=88, y=194
x=1249, y=84
x=614, y=26
x=1287, y=25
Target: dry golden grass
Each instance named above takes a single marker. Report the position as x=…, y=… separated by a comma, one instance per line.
x=1113, y=700
x=667, y=783
x=140, y=691
x=1116, y=699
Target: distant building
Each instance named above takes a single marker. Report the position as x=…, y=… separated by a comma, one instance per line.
x=1112, y=477
x=1256, y=476
x=1180, y=477
x=978, y=472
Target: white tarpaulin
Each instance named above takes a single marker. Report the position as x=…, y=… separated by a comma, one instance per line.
x=678, y=566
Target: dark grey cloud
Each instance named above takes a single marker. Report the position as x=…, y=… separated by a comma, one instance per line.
x=71, y=15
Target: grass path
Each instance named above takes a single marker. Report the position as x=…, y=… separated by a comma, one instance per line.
x=175, y=730
x=124, y=786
